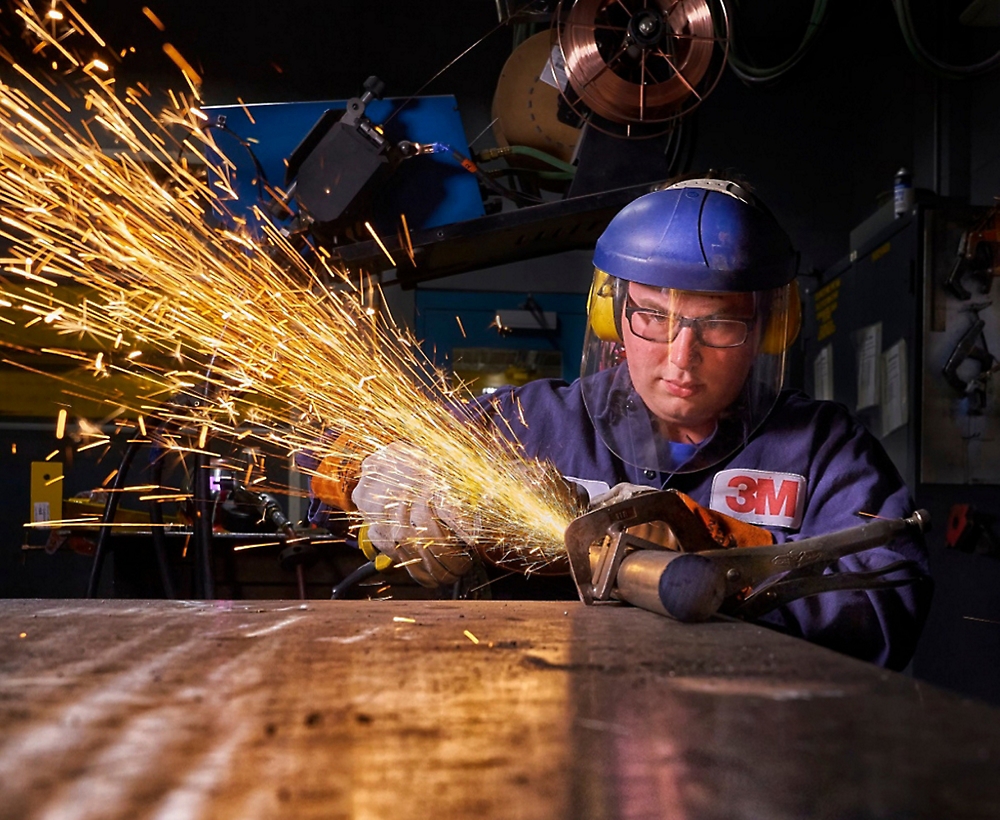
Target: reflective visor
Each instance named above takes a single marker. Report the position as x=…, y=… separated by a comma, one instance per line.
x=693, y=376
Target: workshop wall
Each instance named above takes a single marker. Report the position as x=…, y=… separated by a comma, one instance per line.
x=821, y=143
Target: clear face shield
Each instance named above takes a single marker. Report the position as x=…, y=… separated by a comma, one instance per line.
x=676, y=380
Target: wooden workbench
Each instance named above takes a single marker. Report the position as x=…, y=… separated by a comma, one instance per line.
x=349, y=709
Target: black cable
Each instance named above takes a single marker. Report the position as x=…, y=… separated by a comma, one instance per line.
x=470, y=166
x=948, y=71
x=262, y=182
x=688, y=130
x=751, y=74
x=362, y=573
x=486, y=36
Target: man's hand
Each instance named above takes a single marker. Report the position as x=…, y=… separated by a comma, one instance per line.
x=408, y=520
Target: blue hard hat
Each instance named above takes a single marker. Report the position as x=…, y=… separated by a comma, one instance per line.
x=699, y=234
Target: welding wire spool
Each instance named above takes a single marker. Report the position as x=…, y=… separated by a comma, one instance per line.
x=526, y=107
x=642, y=63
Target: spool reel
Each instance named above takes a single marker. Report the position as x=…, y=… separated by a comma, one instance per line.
x=526, y=109
x=633, y=67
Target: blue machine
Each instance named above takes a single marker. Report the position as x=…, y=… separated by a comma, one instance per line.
x=429, y=189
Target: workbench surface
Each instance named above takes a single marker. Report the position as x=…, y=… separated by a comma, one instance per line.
x=358, y=709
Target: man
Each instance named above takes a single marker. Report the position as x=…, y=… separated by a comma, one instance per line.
x=692, y=310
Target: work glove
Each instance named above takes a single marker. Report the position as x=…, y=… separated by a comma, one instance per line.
x=727, y=532
x=408, y=518
x=335, y=477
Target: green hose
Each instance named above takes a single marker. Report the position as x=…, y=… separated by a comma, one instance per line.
x=926, y=59
x=525, y=151
x=754, y=74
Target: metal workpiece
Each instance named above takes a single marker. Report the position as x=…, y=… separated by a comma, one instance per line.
x=638, y=581
x=694, y=591
x=596, y=542
x=486, y=709
x=610, y=560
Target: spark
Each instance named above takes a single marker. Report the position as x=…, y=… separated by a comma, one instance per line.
x=93, y=522
x=85, y=26
x=378, y=239
x=153, y=18
x=246, y=110
x=471, y=637
x=256, y=546
x=40, y=87
x=240, y=336
x=399, y=619
x=189, y=73
x=402, y=564
x=409, y=242
x=36, y=29
x=52, y=481
x=61, y=423
x=51, y=455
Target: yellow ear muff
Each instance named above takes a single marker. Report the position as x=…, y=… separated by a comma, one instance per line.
x=601, y=308
x=785, y=322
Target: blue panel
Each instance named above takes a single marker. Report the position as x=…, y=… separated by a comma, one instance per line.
x=438, y=328
x=431, y=189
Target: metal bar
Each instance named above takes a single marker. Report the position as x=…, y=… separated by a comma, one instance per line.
x=124, y=709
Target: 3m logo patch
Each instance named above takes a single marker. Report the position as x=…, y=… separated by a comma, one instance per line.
x=760, y=497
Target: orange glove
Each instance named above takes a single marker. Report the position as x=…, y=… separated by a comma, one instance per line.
x=724, y=530
x=338, y=473
x=727, y=531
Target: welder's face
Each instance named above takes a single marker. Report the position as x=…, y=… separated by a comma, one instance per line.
x=688, y=354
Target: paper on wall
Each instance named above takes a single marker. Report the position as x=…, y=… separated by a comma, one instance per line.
x=869, y=341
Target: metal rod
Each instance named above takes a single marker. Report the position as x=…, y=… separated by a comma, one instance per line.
x=110, y=509
x=203, y=527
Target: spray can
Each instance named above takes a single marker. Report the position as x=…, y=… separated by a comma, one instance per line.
x=902, y=193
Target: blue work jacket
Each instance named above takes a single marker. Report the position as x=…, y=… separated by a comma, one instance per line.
x=810, y=469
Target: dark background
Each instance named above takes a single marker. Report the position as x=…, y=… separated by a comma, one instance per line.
x=821, y=144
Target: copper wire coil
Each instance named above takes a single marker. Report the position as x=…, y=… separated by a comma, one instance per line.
x=628, y=82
